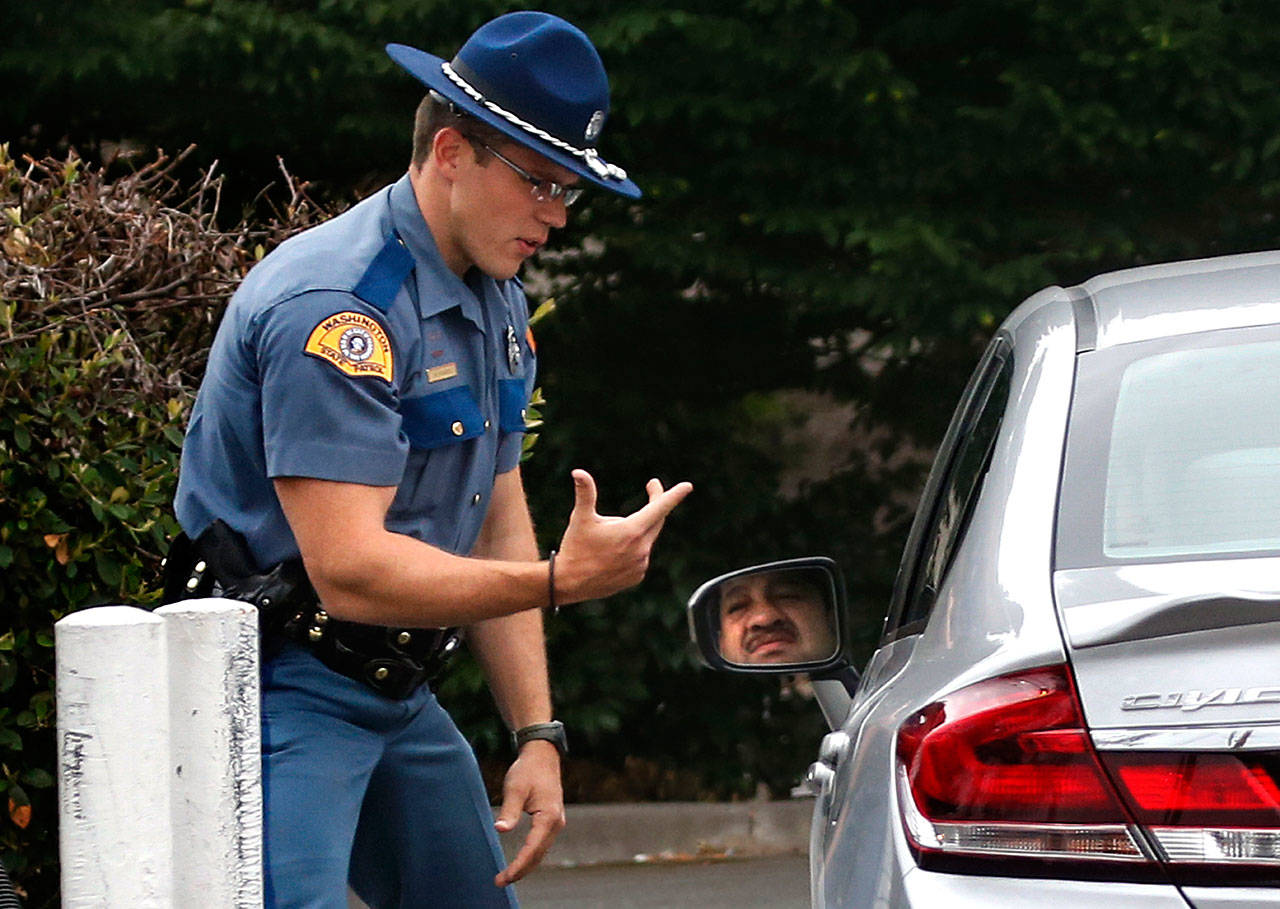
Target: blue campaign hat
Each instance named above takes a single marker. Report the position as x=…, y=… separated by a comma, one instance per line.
x=536, y=78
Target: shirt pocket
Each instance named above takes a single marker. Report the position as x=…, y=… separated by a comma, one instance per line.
x=441, y=418
x=512, y=400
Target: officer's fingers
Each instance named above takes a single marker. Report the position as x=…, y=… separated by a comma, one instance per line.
x=509, y=813
x=650, y=517
x=542, y=833
x=653, y=488
x=653, y=514
x=584, y=492
x=521, y=865
x=515, y=795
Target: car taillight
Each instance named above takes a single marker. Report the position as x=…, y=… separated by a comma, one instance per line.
x=1206, y=808
x=1005, y=768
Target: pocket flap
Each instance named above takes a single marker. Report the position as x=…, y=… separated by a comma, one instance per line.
x=442, y=418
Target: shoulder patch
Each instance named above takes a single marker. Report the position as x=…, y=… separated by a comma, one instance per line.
x=381, y=281
x=354, y=344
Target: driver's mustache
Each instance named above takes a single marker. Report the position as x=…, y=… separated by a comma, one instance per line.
x=754, y=636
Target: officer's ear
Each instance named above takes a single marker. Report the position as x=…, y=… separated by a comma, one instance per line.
x=449, y=148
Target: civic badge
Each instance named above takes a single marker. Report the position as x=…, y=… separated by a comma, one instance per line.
x=593, y=126
x=513, y=349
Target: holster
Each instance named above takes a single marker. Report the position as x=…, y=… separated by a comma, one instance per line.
x=219, y=563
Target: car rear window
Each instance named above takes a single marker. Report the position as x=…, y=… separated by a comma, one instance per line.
x=1173, y=451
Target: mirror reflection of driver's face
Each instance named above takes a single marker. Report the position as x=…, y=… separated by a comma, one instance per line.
x=775, y=617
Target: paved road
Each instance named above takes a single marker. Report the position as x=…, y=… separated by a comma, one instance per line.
x=776, y=882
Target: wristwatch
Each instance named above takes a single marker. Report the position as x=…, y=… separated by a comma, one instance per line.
x=552, y=732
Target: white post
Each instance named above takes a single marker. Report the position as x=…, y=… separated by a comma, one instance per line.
x=160, y=783
x=217, y=781
x=113, y=756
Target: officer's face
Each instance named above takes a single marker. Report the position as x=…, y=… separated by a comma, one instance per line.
x=498, y=224
x=777, y=617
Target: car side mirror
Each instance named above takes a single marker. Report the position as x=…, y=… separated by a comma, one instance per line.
x=781, y=617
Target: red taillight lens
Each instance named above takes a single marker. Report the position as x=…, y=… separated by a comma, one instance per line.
x=1008, y=749
x=1004, y=767
x=1208, y=811
x=1198, y=789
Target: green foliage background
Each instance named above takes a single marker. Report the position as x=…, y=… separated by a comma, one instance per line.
x=843, y=199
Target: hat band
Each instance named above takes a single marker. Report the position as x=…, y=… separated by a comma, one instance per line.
x=590, y=156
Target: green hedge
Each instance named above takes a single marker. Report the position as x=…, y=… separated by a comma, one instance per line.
x=109, y=295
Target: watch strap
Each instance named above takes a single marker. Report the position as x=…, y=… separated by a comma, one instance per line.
x=552, y=732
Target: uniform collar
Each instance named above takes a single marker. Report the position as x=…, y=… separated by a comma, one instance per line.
x=438, y=288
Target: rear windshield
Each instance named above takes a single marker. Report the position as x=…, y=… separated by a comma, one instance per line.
x=1173, y=451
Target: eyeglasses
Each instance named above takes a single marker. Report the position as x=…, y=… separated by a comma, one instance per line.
x=542, y=190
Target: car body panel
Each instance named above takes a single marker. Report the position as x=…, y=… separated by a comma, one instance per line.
x=1113, y=604
x=1231, y=897
x=1196, y=679
x=1139, y=662
x=853, y=796
x=967, y=891
x=1157, y=301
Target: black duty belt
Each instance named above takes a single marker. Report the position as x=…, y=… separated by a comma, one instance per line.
x=395, y=662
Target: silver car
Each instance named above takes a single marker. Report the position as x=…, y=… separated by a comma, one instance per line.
x=1075, y=700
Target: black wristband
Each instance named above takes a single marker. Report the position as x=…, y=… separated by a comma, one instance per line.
x=552, y=732
x=551, y=583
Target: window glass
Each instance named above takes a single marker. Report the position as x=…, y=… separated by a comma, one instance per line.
x=960, y=488
x=1174, y=451
x=1194, y=462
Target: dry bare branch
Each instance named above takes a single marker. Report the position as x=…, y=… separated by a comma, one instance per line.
x=141, y=255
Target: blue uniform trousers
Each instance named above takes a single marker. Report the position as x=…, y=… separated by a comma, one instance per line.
x=383, y=793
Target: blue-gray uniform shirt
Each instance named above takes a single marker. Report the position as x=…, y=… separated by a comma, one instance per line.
x=352, y=353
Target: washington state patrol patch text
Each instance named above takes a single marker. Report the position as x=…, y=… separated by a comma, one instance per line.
x=353, y=343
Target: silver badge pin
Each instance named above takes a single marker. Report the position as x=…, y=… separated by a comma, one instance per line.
x=513, y=349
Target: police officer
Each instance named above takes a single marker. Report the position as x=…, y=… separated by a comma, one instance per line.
x=362, y=416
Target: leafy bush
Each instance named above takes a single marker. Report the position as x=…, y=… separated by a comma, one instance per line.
x=110, y=291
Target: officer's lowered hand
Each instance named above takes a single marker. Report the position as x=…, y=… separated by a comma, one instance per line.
x=599, y=555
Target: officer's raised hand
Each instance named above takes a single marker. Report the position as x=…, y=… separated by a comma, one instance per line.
x=602, y=555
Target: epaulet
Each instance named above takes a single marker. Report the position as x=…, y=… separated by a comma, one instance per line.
x=381, y=281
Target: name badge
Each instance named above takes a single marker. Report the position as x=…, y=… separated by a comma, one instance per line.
x=442, y=372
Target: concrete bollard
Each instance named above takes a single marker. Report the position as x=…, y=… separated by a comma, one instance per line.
x=159, y=779
x=215, y=753
x=113, y=755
